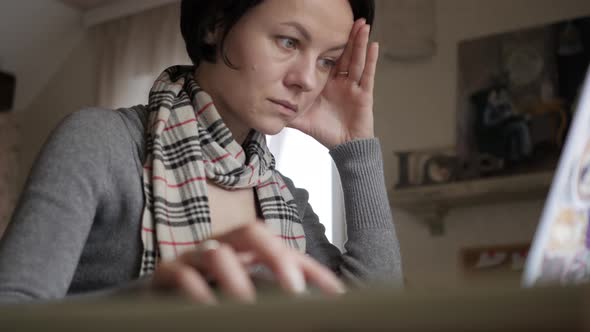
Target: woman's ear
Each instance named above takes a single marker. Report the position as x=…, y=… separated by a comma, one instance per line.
x=213, y=35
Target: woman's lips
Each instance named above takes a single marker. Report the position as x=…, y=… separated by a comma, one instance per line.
x=285, y=104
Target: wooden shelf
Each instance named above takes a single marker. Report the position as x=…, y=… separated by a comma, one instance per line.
x=431, y=203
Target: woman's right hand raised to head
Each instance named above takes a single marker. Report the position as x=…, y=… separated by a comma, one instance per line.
x=228, y=259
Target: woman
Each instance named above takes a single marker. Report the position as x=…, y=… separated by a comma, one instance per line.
x=183, y=192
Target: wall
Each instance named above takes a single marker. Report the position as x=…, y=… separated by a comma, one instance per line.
x=71, y=88
x=415, y=109
x=36, y=38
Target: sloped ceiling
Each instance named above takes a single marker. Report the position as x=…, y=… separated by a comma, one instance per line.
x=37, y=36
x=85, y=5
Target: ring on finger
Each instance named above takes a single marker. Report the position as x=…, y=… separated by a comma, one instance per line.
x=343, y=73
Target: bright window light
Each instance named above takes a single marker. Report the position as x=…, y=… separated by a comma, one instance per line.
x=309, y=165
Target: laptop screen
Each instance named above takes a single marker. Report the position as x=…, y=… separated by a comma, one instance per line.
x=560, y=253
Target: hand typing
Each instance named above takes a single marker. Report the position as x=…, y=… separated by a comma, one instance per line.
x=228, y=259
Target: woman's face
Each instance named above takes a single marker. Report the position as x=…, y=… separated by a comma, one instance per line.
x=284, y=51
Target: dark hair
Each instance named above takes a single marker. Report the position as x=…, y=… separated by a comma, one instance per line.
x=199, y=17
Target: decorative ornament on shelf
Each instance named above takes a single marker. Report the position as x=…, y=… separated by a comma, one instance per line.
x=406, y=29
x=440, y=166
x=426, y=167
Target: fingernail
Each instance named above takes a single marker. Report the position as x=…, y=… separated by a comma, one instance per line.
x=296, y=280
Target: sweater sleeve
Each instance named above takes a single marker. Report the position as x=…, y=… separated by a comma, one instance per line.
x=40, y=250
x=372, y=249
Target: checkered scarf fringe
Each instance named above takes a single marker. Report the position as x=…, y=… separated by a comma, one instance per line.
x=188, y=144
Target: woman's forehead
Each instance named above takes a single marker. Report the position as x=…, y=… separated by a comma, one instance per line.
x=329, y=17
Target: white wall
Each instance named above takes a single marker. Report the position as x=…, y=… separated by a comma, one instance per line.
x=36, y=37
x=73, y=86
x=415, y=109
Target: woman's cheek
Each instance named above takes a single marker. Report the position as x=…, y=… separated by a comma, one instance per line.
x=311, y=103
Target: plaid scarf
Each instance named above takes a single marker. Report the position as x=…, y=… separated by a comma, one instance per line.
x=188, y=144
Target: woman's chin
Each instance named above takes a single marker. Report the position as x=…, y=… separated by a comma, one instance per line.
x=271, y=129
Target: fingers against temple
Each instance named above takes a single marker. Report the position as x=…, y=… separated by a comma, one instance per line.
x=344, y=63
x=367, y=81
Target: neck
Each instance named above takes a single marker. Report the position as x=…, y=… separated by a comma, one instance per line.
x=205, y=79
x=237, y=129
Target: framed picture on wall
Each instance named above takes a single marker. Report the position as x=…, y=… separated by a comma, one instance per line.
x=516, y=92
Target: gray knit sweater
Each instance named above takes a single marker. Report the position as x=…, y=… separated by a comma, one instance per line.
x=77, y=226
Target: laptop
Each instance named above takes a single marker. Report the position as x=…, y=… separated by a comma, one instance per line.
x=560, y=253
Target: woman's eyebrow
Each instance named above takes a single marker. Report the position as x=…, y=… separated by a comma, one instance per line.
x=337, y=48
x=307, y=36
x=300, y=28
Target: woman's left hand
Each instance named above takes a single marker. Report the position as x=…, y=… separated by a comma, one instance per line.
x=344, y=110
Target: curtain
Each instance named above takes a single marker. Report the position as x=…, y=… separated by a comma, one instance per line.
x=134, y=50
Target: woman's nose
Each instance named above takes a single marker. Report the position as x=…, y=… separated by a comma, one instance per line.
x=302, y=74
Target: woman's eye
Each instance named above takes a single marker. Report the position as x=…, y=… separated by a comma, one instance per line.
x=327, y=63
x=288, y=43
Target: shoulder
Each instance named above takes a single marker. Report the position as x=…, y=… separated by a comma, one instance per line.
x=105, y=120
x=96, y=125
x=135, y=120
x=94, y=134
x=89, y=123
x=90, y=114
